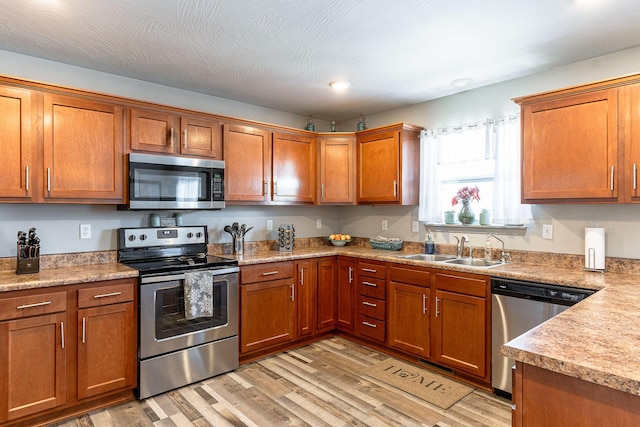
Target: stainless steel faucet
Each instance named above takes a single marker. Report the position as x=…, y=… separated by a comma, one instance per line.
x=504, y=256
x=460, y=245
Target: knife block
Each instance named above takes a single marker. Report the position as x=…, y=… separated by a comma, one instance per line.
x=27, y=265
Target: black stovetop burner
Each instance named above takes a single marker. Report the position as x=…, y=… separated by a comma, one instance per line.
x=153, y=250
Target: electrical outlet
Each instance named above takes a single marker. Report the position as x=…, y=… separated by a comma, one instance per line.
x=85, y=231
x=415, y=227
x=384, y=225
x=269, y=224
x=318, y=224
x=547, y=231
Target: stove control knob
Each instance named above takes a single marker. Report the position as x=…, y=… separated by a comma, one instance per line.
x=198, y=234
x=143, y=237
x=189, y=235
x=132, y=238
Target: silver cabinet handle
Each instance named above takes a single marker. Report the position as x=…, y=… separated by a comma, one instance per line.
x=62, y=333
x=302, y=277
x=395, y=188
x=293, y=296
x=184, y=143
x=611, y=177
x=437, y=311
x=369, y=270
x=48, y=179
x=270, y=273
x=350, y=274
x=171, y=137
x=84, y=329
x=369, y=304
x=112, y=294
x=371, y=325
x=275, y=187
x=424, y=304
x=635, y=177
x=373, y=285
x=26, y=177
x=36, y=304
x=265, y=191
x=322, y=192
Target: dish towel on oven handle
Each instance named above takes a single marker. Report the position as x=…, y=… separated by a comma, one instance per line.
x=198, y=294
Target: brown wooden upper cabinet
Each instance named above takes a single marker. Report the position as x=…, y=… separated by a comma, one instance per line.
x=581, y=144
x=167, y=132
x=83, y=150
x=337, y=163
x=17, y=139
x=389, y=165
x=263, y=167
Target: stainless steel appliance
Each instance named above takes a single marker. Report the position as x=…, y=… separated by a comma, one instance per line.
x=517, y=307
x=175, y=350
x=170, y=182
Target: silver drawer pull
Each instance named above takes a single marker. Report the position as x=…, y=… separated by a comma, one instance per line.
x=112, y=294
x=370, y=284
x=371, y=325
x=369, y=304
x=37, y=304
x=369, y=270
x=270, y=273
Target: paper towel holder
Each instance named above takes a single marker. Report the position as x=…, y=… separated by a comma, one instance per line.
x=592, y=262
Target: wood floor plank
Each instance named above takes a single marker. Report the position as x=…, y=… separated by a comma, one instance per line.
x=321, y=384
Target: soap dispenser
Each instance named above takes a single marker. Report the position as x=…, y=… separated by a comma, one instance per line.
x=429, y=246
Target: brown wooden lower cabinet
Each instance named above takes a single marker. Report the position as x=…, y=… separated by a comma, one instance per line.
x=53, y=363
x=546, y=398
x=326, y=310
x=305, y=296
x=345, y=294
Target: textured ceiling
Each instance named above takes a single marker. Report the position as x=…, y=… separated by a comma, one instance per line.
x=283, y=53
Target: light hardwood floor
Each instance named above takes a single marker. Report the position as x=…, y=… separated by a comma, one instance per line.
x=317, y=385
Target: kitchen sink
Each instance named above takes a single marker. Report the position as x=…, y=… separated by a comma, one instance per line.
x=475, y=262
x=429, y=257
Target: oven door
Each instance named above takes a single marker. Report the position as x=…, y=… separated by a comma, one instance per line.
x=163, y=326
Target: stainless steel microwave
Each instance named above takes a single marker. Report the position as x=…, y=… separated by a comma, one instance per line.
x=170, y=182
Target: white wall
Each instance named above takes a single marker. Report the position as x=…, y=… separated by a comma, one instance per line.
x=58, y=225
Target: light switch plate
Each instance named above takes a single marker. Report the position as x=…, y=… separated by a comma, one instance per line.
x=269, y=224
x=547, y=231
x=384, y=225
x=318, y=223
x=415, y=227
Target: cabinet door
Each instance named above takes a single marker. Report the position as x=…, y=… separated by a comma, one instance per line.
x=83, y=150
x=32, y=356
x=154, y=131
x=345, y=295
x=267, y=314
x=632, y=143
x=378, y=167
x=337, y=169
x=570, y=148
x=247, y=164
x=305, y=306
x=18, y=160
x=460, y=331
x=326, y=295
x=200, y=137
x=294, y=168
x=106, y=349
x=409, y=318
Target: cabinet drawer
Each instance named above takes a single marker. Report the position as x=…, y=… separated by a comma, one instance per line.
x=413, y=276
x=33, y=305
x=266, y=272
x=468, y=285
x=372, y=328
x=375, y=288
x=372, y=270
x=106, y=294
x=371, y=307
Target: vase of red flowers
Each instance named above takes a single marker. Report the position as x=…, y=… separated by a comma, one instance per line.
x=465, y=195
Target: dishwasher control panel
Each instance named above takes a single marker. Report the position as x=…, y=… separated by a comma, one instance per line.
x=558, y=294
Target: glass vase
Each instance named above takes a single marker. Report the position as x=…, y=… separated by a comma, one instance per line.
x=466, y=215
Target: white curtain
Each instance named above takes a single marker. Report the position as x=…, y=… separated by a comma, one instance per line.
x=492, y=138
x=506, y=180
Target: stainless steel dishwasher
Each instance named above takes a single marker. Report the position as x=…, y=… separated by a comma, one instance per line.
x=518, y=306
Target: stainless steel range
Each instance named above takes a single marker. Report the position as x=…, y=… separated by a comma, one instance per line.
x=188, y=307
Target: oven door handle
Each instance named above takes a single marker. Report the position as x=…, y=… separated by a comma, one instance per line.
x=180, y=276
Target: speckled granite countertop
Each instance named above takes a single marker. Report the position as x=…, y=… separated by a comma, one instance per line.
x=595, y=340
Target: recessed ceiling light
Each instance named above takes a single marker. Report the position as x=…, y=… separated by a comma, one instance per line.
x=340, y=84
x=459, y=83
